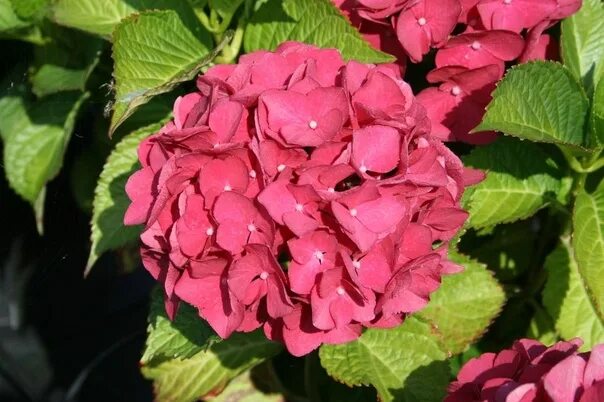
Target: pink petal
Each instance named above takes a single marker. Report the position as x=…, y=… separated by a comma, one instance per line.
x=595, y=393
x=376, y=149
x=564, y=381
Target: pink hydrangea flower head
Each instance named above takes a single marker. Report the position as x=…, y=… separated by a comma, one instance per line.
x=457, y=105
x=300, y=194
x=532, y=372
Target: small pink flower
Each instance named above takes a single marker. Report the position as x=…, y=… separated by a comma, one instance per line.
x=336, y=301
x=479, y=49
x=303, y=120
x=410, y=287
x=311, y=254
x=367, y=217
x=457, y=105
x=425, y=24
x=257, y=275
x=240, y=222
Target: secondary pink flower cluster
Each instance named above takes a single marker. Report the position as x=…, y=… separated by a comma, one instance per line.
x=532, y=372
x=468, y=64
x=296, y=157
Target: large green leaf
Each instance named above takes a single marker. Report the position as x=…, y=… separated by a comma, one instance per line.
x=153, y=53
x=101, y=16
x=36, y=135
x=110, y=199
x=582, y=38
x=181, y=338
x=538, y=101
x=210, y=370
x=588, y=240
x=521, y=179
x=317, y=22
x=404, y=364
x=461, y=316
x=597, y=114
x=567, y=299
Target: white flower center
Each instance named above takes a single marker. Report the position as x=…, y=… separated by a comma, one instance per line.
x=281, y=167
x=263, y=275
x=363, y=168
x=421, y=21
x=353, y=212
x=331, y=190
x=476, y=45
x=456, y=90
x=253, y=174
x=299, y=207
x=209, y=231
x=356, y=264
x=319, y=255
x=507, y=1
x=340, y=290
x=227, y=188
x=251, y=227
x=313, y=124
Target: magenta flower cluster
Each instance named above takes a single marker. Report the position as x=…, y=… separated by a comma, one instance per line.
x=532, y=372
x=301, y=194
x=468, y=64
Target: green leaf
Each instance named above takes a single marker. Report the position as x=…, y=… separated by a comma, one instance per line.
x=110, y=200
x=317, y=22
x=404, y=364
x=9, y=20
x=581, y=41
x=243, y=389
x=100, y=17
x=588, y=241
x=521, y=179
x=209, y=371
x=567, y=299
x=153, y=53
x=35, y=137
x=12, y=26
x=181, y=338
x=597, y=114
x=30, y=9
x=538, y=101
x=65, y=62
x=461, y=316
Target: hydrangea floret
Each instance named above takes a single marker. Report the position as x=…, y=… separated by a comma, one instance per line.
x=300, y=194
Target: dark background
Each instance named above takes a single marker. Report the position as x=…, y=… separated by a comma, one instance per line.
x=71, y=338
